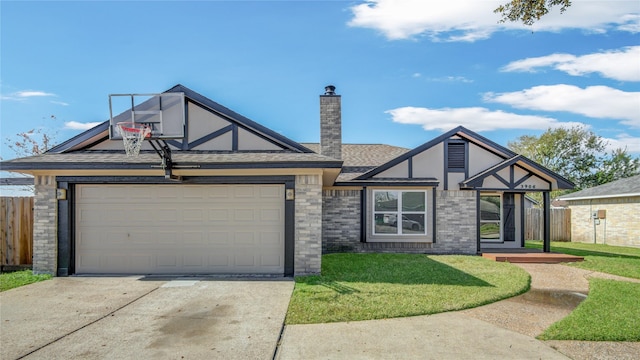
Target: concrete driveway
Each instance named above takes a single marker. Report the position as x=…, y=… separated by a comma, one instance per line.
x=143, y=317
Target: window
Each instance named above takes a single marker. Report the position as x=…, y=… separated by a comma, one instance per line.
x=490, y=217
x=398, y=212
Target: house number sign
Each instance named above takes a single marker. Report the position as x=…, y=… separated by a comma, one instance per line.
x=526, y=186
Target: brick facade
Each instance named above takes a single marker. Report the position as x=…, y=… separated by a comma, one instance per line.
x=341, y=220
x=620, y=227
x=456, y=222
x=456, y=225
x=45, y=239
x=308, y=224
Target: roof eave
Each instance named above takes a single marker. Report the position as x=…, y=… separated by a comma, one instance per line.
x=597, y=197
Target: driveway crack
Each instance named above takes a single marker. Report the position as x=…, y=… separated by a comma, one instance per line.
x=86, y=325
x=279, y=342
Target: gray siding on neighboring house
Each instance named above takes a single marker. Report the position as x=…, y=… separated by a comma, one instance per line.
x=341, y=220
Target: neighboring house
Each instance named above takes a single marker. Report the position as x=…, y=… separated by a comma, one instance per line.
x=235, y=197
x=606, y=214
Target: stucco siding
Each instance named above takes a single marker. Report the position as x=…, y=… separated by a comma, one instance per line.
x=430, y=163
x=481, y=159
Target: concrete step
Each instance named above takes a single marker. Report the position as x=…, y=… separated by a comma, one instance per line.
x=545, y=258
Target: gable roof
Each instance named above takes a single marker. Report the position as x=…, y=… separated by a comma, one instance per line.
x=460, y=131
x=510, y=159
x=101, y=132
x=85, y=151
x=626, y=187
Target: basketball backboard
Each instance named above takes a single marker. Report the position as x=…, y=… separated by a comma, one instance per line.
x=163, y=113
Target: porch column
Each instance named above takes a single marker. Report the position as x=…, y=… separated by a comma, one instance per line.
x=546, y=203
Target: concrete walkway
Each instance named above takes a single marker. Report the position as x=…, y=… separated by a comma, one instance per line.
x=192, y=318
x=502, y=330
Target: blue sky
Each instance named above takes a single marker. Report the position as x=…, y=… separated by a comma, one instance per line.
x=407, y=70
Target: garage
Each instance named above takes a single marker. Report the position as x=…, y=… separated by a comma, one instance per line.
x=179, y=229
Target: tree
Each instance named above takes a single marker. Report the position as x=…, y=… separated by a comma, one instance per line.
x=578, y=155
x=32, y=142
x=529, y=11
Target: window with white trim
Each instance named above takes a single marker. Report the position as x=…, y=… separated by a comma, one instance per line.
x=399, y=212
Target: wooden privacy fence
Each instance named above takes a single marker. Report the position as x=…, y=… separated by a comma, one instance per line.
x=560, y=222
x=16, y=230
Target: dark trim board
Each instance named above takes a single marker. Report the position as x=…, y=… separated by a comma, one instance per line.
x=66, y=250
x=66, y=210
x=145, y=166
x=522, y=217
x=478, y=240
x=363, y=214
x=433, y=214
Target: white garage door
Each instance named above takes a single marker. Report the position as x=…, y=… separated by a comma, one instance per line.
x=177, y=229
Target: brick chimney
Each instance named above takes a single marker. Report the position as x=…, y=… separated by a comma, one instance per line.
x=331, y=123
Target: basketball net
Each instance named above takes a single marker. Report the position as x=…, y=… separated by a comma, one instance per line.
x=133, y=134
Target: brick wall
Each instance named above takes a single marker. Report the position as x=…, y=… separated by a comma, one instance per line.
x=340, y=220
x=308, y=224
x=456, y=229
x=331, y=126
x=456, y=222
x=621, y=226
x=45, y=249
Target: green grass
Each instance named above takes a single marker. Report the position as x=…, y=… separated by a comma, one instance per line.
x=610, y=313
x=616, y=260
x=375, y=286
x=19, y=278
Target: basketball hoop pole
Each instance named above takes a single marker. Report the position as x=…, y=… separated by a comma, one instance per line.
x=161, y=147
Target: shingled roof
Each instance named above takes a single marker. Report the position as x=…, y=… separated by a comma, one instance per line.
x=360, y=158
x=620, y=188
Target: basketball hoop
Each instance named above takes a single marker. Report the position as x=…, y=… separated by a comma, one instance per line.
x=132, y=136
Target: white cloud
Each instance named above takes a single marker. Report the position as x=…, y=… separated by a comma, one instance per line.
x=624, y=141
x=474, y=118
x=31, y=93
x=74, y=125
x=25, y=94
x=461, y=79
x=593, y=101
x=472, y=20
x=623, y=64
x=59, y=103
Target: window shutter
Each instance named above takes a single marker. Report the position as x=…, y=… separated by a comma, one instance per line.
x=455, y=156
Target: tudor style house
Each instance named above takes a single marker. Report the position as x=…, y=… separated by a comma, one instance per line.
x=224, y=194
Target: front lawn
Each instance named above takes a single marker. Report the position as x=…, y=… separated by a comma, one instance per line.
x=609, y=313
x=616, y=260
x=376, y=286
x=19, y=278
